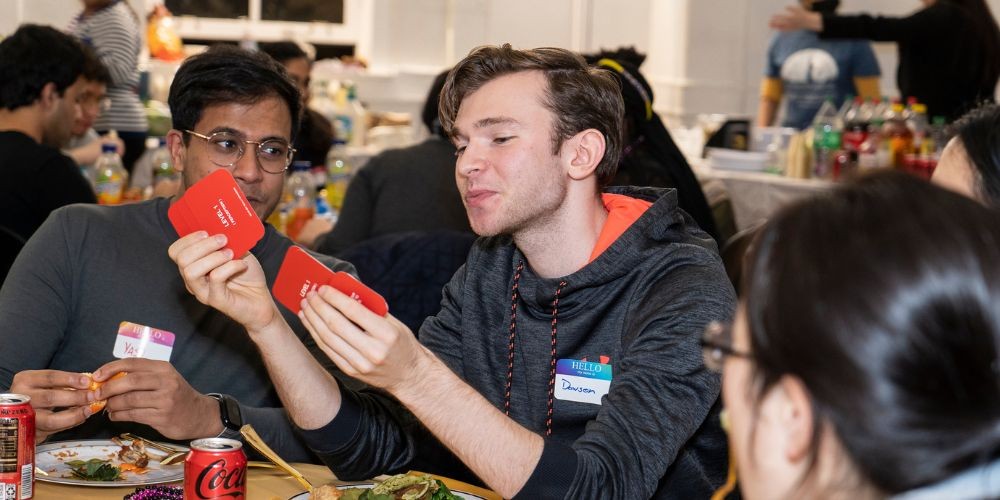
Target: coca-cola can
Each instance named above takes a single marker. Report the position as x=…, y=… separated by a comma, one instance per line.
x=17, y=447
x=215, y=468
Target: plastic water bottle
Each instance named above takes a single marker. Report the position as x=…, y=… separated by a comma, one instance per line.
x=339, y=172
x=302, y=204
x=827, y=128
x=163, y=164
x=110, y=177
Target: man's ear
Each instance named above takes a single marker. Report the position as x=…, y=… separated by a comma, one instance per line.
x=796, y=415
x=49, y=96
x=584, y=152
x=178, y=152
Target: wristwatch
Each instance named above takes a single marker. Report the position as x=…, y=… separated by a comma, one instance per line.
x=229, y=412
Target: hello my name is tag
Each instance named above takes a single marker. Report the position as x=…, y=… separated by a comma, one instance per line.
x=582, y=381
x=140, y=341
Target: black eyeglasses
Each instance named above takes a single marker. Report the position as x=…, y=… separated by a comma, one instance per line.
x=717, y=343
x=226, y=148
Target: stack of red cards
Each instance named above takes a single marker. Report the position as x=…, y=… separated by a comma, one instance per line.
x=300, y=274
x=217, y=205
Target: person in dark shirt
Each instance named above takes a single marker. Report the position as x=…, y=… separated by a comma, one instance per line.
x=315, y=131
x=41, y=86
x=949, y=51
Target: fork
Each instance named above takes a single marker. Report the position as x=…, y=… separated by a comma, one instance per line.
x=173, y=454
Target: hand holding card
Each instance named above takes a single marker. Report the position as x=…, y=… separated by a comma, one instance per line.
x=217, y=205
x=300, y=273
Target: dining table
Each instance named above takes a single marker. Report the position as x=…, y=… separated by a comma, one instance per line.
x=264, y=482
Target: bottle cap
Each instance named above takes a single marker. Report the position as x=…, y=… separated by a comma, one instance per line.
x=109, y=148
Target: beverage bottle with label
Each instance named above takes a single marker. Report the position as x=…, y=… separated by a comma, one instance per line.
x=163, y=164
x=302, y=205
x=856, y=122
x=359, y=116
x=896, y=136
x=110, y=177
x=827, y=129
x=339, y=174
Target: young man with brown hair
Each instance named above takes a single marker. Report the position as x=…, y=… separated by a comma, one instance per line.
x=565, y=362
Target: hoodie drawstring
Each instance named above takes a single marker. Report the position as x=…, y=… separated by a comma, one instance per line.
x=514, y=294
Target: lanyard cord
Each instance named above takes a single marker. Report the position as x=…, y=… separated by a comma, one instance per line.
x=514, y=295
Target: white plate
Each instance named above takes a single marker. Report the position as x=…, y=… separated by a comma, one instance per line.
x=51, y=458
x=731, y=159
x=305, y=494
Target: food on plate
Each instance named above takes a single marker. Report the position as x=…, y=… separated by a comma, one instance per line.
x=133, y=454
x=94, y=469
x=398, y=487
x=97, y=406
x=158, y=492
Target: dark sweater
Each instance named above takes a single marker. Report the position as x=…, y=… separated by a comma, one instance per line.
x=88, y=268
x=398, y=190
x=940, y=55
x=37, y=179
x=643, y=303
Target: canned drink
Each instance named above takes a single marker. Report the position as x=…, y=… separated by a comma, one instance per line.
x=215, y=468
x=17, y=447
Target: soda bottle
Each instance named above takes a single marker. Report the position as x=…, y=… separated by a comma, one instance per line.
x=303, y=198
x=110, y=177
x=163, y=164
x=896, y=135
x=339, y=174
x=827, y=128
x=856, y=125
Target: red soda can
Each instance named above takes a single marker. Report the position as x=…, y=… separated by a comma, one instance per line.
x=17, y=447
x=215, y=468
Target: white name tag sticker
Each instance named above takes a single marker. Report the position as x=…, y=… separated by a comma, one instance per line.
x=582, y=381
x=139, y=341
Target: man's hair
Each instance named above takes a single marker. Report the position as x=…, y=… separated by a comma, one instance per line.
x=93, y=69
x=229, y=75
x=33, y=57
x=429, y=115
x=283, y=51
x=578, y=96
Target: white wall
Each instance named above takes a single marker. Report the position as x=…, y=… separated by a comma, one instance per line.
x=703, y=55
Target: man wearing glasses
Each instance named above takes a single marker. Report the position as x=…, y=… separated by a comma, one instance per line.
x=89, y=268
x=85, y=145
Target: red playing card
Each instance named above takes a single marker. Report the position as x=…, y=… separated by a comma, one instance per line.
x=301, y=273
x=217, y=205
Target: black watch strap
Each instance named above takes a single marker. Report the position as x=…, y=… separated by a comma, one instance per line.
x=229, y=412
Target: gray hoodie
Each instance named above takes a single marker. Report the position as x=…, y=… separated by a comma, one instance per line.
x=641, y=306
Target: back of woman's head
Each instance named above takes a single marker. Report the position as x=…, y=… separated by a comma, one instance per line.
x=883, y=297
x=979, y=133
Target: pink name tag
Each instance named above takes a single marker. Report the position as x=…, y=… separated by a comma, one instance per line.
x=139, y=341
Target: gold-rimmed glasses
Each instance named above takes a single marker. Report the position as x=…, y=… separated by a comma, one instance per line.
x=226, y=148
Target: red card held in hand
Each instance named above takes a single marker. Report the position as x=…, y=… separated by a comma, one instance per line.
x=301, y=273
x=217, y=205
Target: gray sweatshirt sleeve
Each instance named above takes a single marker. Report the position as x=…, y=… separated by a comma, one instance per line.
x=372, y=433
x=660, y=395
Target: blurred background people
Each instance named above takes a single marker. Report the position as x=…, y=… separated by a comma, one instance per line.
x=111, y=27
x=40, y=92
x=85, y=144
x=650, y=157
x=949, y=50
x=398, y=190
x=315, y=131
x=970, y=163
x=803, y=70
x=874, y=374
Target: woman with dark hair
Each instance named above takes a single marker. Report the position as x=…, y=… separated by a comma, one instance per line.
x=949, y=50
x=650, y=156
x=864, y=361
x=970, y=163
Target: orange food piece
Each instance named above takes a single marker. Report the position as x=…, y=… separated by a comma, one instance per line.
x=127, y=467
x=97, y=406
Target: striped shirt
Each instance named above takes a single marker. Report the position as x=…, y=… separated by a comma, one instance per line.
x=114, y=34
